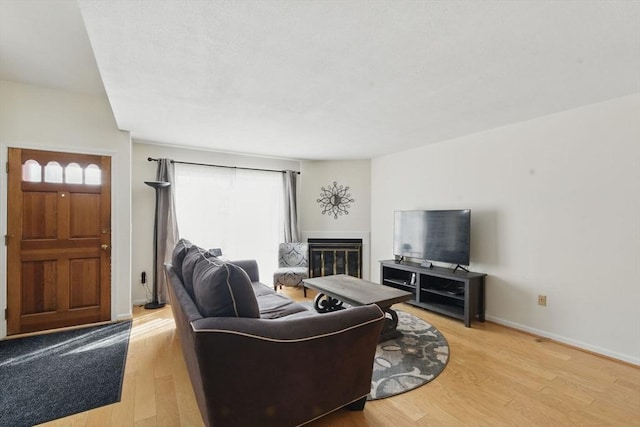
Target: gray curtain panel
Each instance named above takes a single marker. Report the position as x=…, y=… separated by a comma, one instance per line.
x=167, y=224
x=290, y=206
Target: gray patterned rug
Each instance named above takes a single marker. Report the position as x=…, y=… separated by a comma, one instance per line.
x=410, y=361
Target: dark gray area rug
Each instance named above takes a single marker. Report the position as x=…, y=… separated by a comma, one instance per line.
x=51, y=376
x=410, y=361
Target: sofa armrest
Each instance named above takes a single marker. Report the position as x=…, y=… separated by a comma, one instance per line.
x=291, y=370
x=250, y=266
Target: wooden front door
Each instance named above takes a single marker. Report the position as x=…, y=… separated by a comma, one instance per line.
x=58, y=240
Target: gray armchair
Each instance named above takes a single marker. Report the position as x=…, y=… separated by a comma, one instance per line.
x=293, y=265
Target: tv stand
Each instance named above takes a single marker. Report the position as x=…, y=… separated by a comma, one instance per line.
x=460, y=267
x=458, y=294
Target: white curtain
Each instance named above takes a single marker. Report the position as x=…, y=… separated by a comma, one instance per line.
x=239, y=211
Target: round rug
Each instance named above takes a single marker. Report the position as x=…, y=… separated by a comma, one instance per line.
x=412, y=360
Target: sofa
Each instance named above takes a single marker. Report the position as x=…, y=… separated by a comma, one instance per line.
x=257, y=358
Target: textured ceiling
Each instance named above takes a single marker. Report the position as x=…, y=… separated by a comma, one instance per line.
x=44, y=43
x=346, y=79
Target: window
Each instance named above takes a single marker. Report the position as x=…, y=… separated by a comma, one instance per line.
x=92, y=175
x=53, y=173
x=73, y=174
x=240, y=211
x=31, y=171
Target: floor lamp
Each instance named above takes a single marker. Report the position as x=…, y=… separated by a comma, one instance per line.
x=157, y=185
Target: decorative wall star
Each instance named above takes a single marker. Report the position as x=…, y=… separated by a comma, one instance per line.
x=334, y=200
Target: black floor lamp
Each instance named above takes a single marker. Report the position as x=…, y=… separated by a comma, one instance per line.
x=155, y=303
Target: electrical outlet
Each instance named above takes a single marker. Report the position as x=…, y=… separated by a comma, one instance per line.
x=542, y=300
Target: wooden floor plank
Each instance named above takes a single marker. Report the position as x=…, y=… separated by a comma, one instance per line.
x=166, y=402
x=123, y=411
x=100, y=417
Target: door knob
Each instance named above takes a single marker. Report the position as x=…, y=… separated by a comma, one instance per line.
x=104, y=246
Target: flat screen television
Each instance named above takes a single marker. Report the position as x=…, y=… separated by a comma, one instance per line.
x=433, y=235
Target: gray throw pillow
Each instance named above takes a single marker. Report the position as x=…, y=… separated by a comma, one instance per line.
x=178, y=254
x=222, y=289
x=191, y=258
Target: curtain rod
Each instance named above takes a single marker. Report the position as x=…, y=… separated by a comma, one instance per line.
x=150, y=159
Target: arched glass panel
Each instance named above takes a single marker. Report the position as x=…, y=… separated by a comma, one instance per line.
x=73, y=174
x=92, y=175
x=31, y=171
x=53, y=172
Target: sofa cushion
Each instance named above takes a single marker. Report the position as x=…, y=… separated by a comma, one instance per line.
x=193, y=255
x=275, y=305
x=222, y=289
x=178, y=254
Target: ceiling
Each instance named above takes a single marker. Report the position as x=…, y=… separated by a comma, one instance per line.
x=315, y=79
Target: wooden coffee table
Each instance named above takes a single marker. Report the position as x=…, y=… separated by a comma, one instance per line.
x=334, y=291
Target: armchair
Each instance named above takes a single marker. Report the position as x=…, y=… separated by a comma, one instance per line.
x=293, y=265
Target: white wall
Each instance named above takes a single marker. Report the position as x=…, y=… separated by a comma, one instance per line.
x=555, y=206
x=356, y=174
x=34, y=117
x=144, y=201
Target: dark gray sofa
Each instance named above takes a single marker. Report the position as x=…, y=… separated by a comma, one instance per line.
x=256, y=358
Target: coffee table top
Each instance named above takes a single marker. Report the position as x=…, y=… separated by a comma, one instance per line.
x=356, y=291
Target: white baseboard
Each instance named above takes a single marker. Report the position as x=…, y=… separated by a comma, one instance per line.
x=561, y=339
x=139, y=302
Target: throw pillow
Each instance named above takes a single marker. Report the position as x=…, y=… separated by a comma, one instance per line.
x=178, y=254
x=222, y=289
x=191, y=258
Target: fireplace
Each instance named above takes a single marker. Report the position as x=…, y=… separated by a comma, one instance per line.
x=335, y=256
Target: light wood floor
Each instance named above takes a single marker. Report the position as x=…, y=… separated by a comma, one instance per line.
x=495, y=377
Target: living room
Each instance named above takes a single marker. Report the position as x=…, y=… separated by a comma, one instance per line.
x=553, y=194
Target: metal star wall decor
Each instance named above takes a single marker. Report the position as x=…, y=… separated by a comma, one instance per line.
x=334, y=200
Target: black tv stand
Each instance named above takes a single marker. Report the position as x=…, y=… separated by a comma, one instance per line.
x=460, y=267
x=458, y=294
